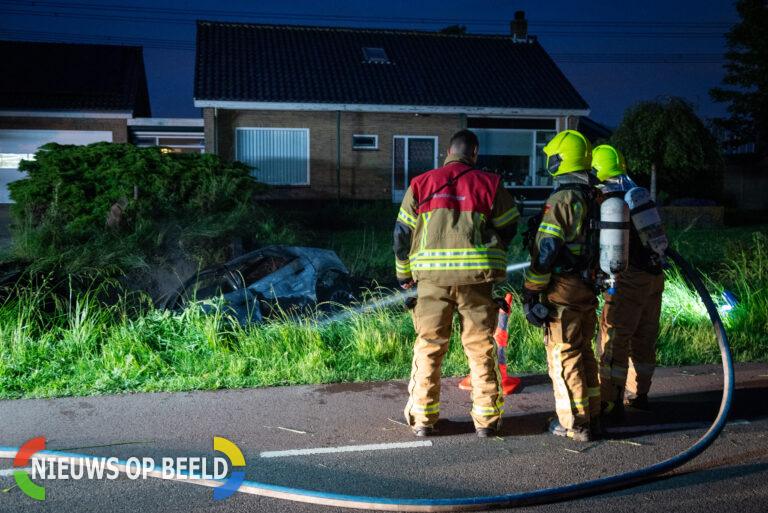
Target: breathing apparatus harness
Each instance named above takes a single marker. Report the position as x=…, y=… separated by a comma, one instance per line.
x=585, y=266
x=450, y=181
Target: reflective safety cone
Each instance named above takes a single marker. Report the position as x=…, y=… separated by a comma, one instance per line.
x=508, y=383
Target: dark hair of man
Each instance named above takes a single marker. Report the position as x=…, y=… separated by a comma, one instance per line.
x=464, y=142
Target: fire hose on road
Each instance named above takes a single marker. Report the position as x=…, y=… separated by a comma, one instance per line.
x=546, y=495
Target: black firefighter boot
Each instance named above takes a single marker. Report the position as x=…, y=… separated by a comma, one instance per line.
x=637, y=401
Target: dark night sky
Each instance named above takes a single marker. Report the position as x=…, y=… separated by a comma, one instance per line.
x=615, y=53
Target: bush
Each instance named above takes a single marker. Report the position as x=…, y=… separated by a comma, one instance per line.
x=61, y=210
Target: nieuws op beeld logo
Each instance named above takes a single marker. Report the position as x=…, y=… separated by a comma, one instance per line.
x=77, y=467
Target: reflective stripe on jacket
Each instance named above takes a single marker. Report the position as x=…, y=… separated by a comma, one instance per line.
x=459, y=235
x=561, y=237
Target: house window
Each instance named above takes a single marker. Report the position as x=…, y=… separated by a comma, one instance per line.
x=178, y=142
x=365, y=142
x=542, y=175
x=411, y=156
x=280, y=156
x=515, y=154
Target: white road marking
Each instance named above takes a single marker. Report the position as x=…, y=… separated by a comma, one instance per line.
x=346, y=448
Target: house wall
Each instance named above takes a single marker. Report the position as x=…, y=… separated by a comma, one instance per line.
x=365, y=174
x=118, y=127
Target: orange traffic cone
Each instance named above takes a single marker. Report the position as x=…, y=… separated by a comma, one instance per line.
x=508, y=383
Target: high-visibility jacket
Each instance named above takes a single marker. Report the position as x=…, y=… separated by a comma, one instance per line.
x=560, y=244
x=459, y=235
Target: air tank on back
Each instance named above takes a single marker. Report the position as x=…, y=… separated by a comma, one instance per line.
x=614, y=239
x=646, y=219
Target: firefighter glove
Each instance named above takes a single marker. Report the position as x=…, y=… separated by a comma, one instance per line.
x=535, y=312
x=503, y=305
x=406, y=283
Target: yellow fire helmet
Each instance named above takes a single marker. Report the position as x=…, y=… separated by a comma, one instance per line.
x=607, y=162
x=567, y=152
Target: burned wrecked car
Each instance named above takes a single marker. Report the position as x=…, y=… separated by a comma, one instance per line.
x=287, y=279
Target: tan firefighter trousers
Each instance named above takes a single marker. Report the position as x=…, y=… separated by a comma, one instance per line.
x=570, y=357
x=629, y=325
x=432, y=319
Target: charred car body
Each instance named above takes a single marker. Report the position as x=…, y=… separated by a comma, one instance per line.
x=252, y=286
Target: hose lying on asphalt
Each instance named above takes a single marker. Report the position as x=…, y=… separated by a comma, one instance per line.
x=546, y=495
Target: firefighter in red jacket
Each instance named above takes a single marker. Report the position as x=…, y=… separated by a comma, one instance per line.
x=557, y=293
x=451, y=239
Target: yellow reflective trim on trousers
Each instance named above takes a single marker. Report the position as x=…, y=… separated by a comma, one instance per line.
x=613, y=372
x=575, y=249
x=430, y=408
x=594, y=392
x=561, y=397
x=552, y=229
x=406, y=219
x=536, y=278
x=497, y=372
x=642, y=369
x=486, y=411
x=580, y=403
x=507, y=217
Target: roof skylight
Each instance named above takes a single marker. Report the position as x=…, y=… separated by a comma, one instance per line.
x=374, y=54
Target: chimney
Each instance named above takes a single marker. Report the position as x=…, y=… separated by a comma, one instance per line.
x=519, y=26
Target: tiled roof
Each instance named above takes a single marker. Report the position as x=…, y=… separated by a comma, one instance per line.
x=281, y=63
x=57, y=76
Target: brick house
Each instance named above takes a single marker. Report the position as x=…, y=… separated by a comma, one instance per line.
x=66, y=93
x=325, y=112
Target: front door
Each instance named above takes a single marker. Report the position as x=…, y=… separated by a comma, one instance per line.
x=411, y=156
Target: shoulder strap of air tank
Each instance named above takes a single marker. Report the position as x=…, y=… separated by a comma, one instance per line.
x=446, y=184
x=589, y=193
x=572, y=187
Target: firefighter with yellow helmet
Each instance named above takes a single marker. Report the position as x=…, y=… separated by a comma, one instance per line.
x=629, y=322
x=558, y=293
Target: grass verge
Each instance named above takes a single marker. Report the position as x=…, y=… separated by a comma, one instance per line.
x=52, y=346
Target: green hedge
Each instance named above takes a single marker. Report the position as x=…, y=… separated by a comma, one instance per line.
x=75, y=186
x=61, y=210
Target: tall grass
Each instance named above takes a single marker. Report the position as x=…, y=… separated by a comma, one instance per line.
x=70, y=343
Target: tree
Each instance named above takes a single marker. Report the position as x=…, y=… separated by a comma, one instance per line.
x=455, y=30
x=747, y=75
x=665, y=138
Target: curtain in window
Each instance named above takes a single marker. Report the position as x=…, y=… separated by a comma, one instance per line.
x=280, y=155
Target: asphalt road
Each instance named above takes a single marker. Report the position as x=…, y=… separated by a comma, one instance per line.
x=729, y=476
